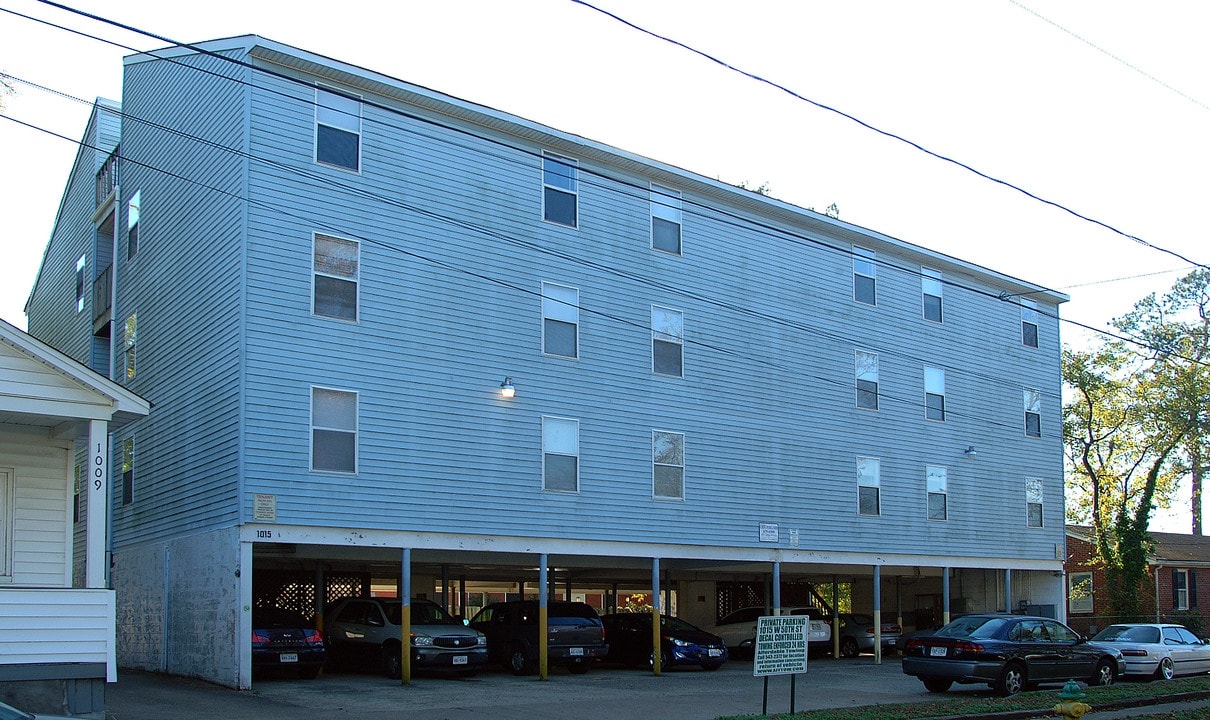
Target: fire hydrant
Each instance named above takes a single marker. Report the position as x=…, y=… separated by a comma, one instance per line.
x=1070, y=705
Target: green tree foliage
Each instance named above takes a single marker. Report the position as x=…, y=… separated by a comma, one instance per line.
x=6, y=88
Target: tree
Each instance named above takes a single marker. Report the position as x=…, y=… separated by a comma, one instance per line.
x=6, y=88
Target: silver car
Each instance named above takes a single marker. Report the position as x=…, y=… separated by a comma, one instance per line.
x=1157, y=650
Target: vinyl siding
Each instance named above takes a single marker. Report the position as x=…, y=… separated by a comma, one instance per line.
x=40, y=540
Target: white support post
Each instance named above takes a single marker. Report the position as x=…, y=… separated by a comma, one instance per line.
x=95, y=564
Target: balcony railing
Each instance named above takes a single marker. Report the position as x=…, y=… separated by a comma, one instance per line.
x=107, y=177
x=102, y=296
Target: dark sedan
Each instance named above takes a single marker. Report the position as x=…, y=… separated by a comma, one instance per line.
x=284, y=640
x=630, y=642
x=1009, y=653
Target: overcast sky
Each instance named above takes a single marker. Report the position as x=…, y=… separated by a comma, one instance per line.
x=1099, y=106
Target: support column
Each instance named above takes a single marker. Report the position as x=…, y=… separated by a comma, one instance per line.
x=1008, y=591
x=945, y=596
x=321, y=595
x=655, y=616
x=835, y=617
x=462, y=598
x=405, y=618
x=543, y=620
x=777, y=587
x=445, y=587
x=877, y=614
x=243, y=576
x=96, y=565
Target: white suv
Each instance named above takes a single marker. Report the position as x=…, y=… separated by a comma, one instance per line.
x=365, y=631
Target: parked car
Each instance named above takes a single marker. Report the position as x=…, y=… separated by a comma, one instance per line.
x=1009, y=653
x=8, y=712
x=285, y=640
x=366, y=631
x=738, y=629
x=681, y=643
x=575, y=634
x=857, y=634
x=1157, y=650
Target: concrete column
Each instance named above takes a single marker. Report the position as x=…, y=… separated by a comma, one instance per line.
x=945, y=596
x=405, y=617
x=877, y=614
x=543, y=620
x=777, y=588
x=1008, y=591
x=655, y=616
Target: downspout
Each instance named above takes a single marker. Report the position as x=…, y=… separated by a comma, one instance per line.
x=1157, y=591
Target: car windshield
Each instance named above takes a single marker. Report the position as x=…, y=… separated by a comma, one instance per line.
x=1128, y=633
x=974, y=626
x=8, y=712
x=861, y=620
x=430, y=614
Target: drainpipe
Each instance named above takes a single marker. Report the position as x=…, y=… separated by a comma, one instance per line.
x=1157, y=592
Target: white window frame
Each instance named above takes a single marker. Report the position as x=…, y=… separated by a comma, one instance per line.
x=561, y=303
x=334, y=109
x=1180, y=594
x=865, y=370
x=1080, y=605
x=560, y=436
x=667, y=327
x=1032, y=400
x=81, y=264
x=869, y=475
x=936, y=484
x=569, y=185
x=355, y=430
x=1033, y=498
x=7, y=515
x=661, y=457
x=666, y=205
x=934, y=384
x=865, y=265
x=1029, y=317
x=335, y=273
x=931, y=286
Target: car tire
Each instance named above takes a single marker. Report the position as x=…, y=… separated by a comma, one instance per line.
x=665, y=661
x=1104, y=674
x=392, y=662
x=577, y=668
x=936, y=684
x=1011, y=680
x=517, y=662
x=848, y=648
x=1165, y=671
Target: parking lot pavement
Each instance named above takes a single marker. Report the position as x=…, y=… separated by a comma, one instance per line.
x=606, y=692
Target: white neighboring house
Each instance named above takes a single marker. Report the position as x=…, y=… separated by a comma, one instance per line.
x=57, y=641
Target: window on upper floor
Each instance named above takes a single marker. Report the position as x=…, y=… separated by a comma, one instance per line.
x=6, y=522
x=134, y=211
x=930, y=289
x=128, y=471
x=560, y=320
x=864, y=276
x=667, y=341
x=336, y=266
x=337, y=129
x=867, y=380
x=1033, y=502
x=1079, y=592
x=1033, y=413
x=665, y=220
x=1184, y=591
x=560, y=189
x=869, y=483
x=560, y=454
x=80, y=265
x=334, y=429
x=934, y=393
x=938, y=493
x=668, y=464
x=129, y=337
x=1029, y=323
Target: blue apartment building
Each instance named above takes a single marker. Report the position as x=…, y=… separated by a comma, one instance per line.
x=324, y=280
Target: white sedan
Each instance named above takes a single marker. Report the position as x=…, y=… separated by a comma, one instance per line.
x=1158, y=650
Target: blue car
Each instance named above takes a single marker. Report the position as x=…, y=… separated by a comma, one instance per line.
x=630, y=642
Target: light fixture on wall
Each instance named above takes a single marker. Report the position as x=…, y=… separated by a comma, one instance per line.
x=507, y=389
x=970, y=451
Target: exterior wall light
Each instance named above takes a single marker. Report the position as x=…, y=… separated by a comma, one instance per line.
x=507, y=389
x=970, y=451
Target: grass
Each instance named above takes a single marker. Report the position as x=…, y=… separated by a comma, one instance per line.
x=957, y=705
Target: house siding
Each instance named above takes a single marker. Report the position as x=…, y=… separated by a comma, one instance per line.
x=40, y=540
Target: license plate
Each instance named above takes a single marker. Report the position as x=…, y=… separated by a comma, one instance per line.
x=937, y=651
x=577, y=652
x=288, y=657
x=714, y=652
x=459, y=659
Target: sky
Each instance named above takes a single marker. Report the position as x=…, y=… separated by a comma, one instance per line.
x=1098, y=106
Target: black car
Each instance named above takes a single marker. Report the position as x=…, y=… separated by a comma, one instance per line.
x=285, y=640
x=630, y=642
x=575, y=635
x=1009, y=653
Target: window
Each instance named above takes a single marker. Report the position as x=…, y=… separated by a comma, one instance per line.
x=934, y=393
x=864, y=272
x=1184, y=591
x=930, y=288
x=6, y=522
x=129, y=329
x=668, y=464
x=559, y=189
x=333, y=430
x=1029, y=323
x=133, y=211
x=560, y=454
x=937, y=502
x=1079, y=592
x=127, y=471
x=80, y=284
x=337, y=265
x=1033, y=502
x=665, y=220
x=337, y=130
x=560, y=320
x=75, y=497
x=868, y=501
x=867, y=380
x=667, y=341
x=1033, y=413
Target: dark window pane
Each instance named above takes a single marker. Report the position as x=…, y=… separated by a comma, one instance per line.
x=669, y=481
x=936, y=506
x=934, y=406
x=1033, y=424
x=561, y=471
x=665, y=235
x=335, y=298
x=132, y=241
x=867, y=394
x=1029, y=334
x=863, y=289
x=932, y=308
x=128, y=487
x=1035, y=515
x=334, y=450
x=559, y=338
x=666, y=358
x=560, y=207
x=867, y=500
x=337, y=147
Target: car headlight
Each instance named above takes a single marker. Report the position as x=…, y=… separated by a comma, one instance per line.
x=481, y=641
x=422, y=640
x=680, y=643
